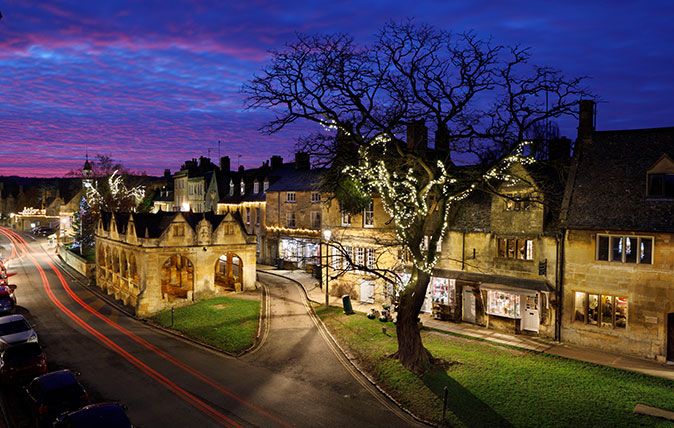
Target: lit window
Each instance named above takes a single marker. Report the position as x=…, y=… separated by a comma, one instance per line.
x=256, y=187
x=346, y=219
x=265, y=185
x=371, y=259
x=242, y=187
x=600, y=310
x=625, y=249
x=511, y=248
x=290, y=219
x=231, y=187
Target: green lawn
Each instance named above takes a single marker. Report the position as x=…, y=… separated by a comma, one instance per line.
x=228, y=323
x=489, y=385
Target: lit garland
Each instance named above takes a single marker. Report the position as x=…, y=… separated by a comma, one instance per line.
x=405, y=198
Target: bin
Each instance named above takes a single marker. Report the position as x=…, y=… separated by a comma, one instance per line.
x=317, y=271
x=346, y=303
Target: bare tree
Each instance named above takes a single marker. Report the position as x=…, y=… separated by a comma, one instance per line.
x=481, y=98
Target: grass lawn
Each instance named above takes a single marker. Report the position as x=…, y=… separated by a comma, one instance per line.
x=228, y=323
x=491, y=385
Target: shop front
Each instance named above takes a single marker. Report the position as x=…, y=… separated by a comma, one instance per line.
x=300, y=252
x=513, y=308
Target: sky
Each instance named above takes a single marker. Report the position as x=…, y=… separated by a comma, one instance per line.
x=155, y=83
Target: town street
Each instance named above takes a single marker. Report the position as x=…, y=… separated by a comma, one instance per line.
x=293, y=379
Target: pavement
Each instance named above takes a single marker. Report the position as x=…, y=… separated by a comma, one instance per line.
x=535, y=344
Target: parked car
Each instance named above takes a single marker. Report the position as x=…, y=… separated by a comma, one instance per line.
x=7, y=299
x=22, y=362
x=100, y=415
x=14, y=329
x=55, y=393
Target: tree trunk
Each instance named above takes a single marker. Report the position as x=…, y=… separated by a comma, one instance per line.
x=411, y=351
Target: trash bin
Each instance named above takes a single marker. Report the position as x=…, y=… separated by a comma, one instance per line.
x=346, y=303
x=317, y=271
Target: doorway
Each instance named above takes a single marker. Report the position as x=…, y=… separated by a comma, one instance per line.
x=530, y=317
x=670, y=337
x=468, y=306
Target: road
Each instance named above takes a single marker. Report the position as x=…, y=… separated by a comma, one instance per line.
x=293, y=379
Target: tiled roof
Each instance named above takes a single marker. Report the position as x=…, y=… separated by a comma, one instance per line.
x=609, y=187
x=293, y=180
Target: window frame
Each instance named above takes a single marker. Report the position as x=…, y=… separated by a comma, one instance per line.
x=368, y=215
x=623, y=257
x=315, y=197
x=291, y=197
x=600, y=310
x=510, y=248
x=291, y=220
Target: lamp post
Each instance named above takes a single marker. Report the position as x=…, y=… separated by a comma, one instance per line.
x=327, y=234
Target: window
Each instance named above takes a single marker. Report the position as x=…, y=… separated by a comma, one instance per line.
x=265, y=185
x=503, y=304
x=290, y=219
x=371, y=259
x=661, y=185
x=231, y=187
x=346, y=219
x=625, y=249
x=346, y=265
x=315, y=219
x=258, y=215
x=247, y=215
x=256, y=186
x=600, y=310
x=290, y=197
x=512, y=248
x=368, y=215
x=179, y=230
x=315, y=197
x=242, y=187
x=518, y=202
x=360, y=256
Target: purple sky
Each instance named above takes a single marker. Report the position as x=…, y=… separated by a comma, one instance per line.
x=156, y=83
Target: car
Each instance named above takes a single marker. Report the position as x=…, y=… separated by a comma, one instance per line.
x=14, y=329
x=55, y=393
x=7, y=299
x=99, y=415
x=22, y=362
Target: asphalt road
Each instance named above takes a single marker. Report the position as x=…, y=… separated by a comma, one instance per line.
x=295, y=378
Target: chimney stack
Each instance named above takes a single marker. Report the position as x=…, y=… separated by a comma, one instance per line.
x=241, y=168
x=276, y=162
x=302, y=161
x=586, y=120
x=417, y=135
x=225, y=164
x=442, y=138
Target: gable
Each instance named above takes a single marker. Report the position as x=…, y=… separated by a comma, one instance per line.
x=664, y=165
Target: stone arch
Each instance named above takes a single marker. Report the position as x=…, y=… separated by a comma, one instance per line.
x=177, y=277
x=133, y=270
x=124, y=265
x=229, y=272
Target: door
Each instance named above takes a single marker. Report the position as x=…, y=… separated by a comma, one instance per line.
x=670, y=337
x=530, y=316
x=367, y=292
x=468, y=306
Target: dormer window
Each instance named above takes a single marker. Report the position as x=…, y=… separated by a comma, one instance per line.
x=256, y=187
x=243, y=187
x=231, y=187
x=661, y=179
x=265, y=185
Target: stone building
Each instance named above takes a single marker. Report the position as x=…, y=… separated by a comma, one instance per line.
x=618, y=267
x=154, y=261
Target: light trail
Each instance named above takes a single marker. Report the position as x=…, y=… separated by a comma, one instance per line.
x=219, y=417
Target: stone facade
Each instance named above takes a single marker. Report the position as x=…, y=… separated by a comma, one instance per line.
x=154, y=261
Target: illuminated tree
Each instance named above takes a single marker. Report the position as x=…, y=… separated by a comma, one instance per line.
x=481, y=99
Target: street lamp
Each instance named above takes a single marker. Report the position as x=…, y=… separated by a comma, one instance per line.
x=327, y=234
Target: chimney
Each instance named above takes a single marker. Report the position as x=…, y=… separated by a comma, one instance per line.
x=442, y=138
x=204, y=162
x=417, y=135
x=586, y=120
x=276, y=162
x=225, y=164
x=302, y=161
x=167, y=173
x=241, y=168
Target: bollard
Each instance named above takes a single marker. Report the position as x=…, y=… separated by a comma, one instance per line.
x=444, y=404
x=172, y=312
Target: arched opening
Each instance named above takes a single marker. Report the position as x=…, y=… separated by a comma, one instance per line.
x=229, y=272
x=177, y=277
x=133, y=270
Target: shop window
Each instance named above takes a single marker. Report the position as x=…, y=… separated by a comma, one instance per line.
x=625, y=249
x=579, y=307
x=315, y=197
x=443, y=291
x=600, y=310
x=503, y=304
x=290, y=197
